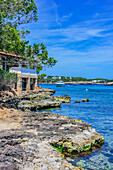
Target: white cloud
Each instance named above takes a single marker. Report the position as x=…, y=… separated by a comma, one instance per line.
x=92, y=55
x=45, y=29
x=74, y=33
x=92, y=63
x=64, y=42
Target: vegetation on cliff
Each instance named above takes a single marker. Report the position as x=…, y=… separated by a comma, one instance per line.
x=43, y=78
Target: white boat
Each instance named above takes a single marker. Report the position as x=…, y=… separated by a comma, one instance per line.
x=75, y=84
x=60, y=84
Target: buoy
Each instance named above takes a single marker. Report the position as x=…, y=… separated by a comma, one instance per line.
x=86, y=89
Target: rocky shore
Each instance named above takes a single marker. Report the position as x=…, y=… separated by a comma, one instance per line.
x=42, y=140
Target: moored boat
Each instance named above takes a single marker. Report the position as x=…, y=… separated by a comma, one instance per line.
x=60, y=84
x=76, y=83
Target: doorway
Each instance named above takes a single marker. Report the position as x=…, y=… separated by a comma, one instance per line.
x=24, y=84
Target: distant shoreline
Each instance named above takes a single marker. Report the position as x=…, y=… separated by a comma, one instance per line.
x=82, y=83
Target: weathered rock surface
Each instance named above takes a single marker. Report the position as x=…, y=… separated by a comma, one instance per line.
x=42, y=100
x=34, y=100
x=63, y=99
x=7, y=96
x=46, y=91
x=31, y=140
x=42, y=96
x=78, y=101
x=28, y=147
x=25, y=104
x=47, y=104
x=85, y=100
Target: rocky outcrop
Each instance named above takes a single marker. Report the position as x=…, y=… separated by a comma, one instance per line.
x=63, y=99
x=108, y=84
x=46, y=91
x=78, y=101
x=37, y=142
x=13, y=95
x=83, y=100
x=42, y=100
x=45, y=104
x=68, y=134
x=27, y=151
x=34, y=100
x=34, y=141
x=44, y=96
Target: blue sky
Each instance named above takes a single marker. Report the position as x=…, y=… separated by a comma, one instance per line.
x=78, y=34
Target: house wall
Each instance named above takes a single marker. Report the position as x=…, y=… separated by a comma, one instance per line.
x=27, y=76
x=19, y=83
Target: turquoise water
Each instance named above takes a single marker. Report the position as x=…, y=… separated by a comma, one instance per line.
x=98, y=112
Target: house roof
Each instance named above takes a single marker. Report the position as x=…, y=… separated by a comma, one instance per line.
x=7, y=54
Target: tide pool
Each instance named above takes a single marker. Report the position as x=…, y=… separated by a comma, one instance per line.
x=98, y=112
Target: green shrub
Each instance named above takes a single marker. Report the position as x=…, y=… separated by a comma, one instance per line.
x=7, y=79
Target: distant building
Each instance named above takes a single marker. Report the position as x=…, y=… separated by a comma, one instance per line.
x=94, y=81
x=54, y=78
x=27, y=77
x=97, y=81
x=45, y=77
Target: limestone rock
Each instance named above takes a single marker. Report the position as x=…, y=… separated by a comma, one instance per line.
x=46, y=91
x=83, y=100
x=47, y=104
x=29, y=146
x=38, y=105
x=77, y=101
x=63, y=99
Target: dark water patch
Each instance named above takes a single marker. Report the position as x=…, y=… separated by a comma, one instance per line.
x=107, y=154
x=110, y=160
x=111, y=151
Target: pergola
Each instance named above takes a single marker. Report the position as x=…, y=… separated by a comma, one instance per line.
x=11, y=59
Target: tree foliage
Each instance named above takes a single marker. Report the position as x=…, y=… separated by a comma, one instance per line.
x=16, y=12
x=78, y=79
x=54, y=79
x=12, y=14
x=11, y=40
x=39, y=53
x=41, y=77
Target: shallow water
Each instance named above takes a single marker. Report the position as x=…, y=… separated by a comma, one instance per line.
x=98, y=112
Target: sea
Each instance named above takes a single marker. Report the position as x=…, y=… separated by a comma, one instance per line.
x=98, y=112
